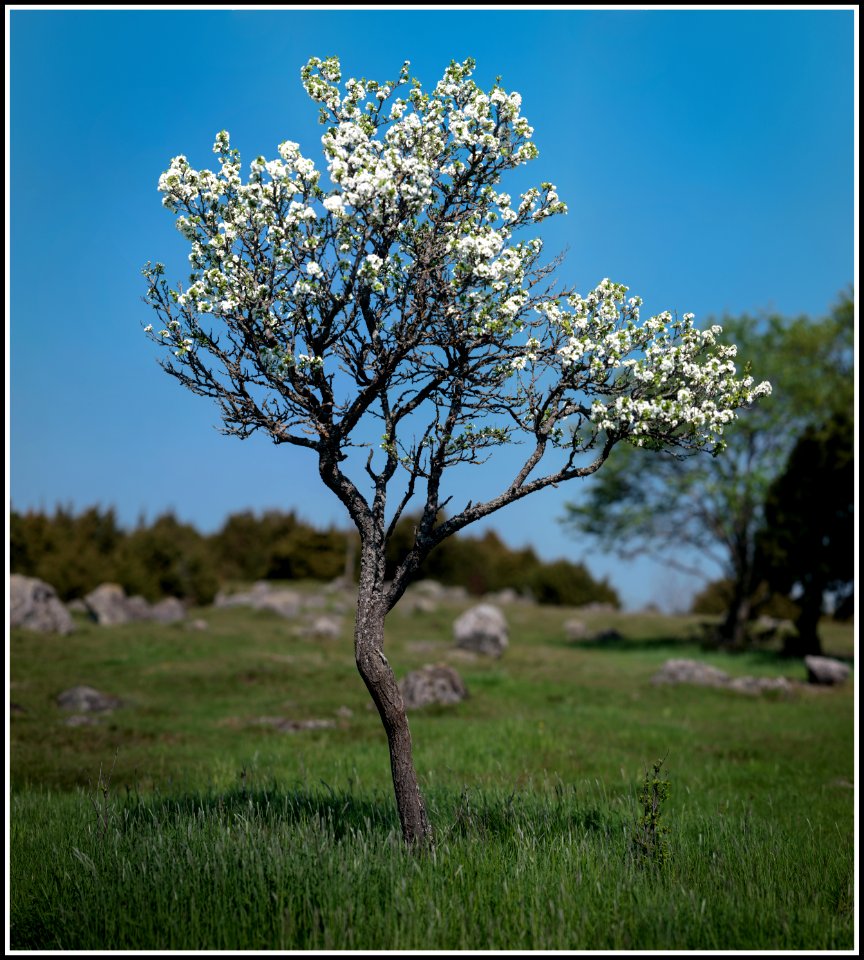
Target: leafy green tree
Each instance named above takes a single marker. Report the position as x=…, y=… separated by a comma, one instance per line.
x=671, y=506
x=807, y=542
x=167, y=558
x=72, y=553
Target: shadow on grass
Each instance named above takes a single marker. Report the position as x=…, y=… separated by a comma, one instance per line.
x=471, y=813
x=612, y=640
x=692, y=646
x=341, y=812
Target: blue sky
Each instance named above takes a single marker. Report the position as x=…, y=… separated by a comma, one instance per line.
x=706, y=158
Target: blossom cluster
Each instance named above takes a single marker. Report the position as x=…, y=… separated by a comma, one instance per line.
x=650, y=380
x=412, y=179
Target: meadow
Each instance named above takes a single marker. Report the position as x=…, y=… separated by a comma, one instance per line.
x=194, y=817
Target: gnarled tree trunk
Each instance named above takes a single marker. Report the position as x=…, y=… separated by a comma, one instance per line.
x=378, y=676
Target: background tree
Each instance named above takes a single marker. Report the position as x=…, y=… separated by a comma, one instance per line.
x=398, y=296
x=72, y=553
x=807, y=541
x=670, y=506
x=167, y=558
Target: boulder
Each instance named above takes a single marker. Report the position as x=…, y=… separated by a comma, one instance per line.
x=826, y=670
x=418, y=603
x=429, y=588
x=690, y=671
x=324, y=627
x=109, y=605
x=168, y=610
x=575, y=630
x=704, y=675
x=482, y=629
x=84, y=699
x=504, y=597
x=434, y=683
x=759, y=685
x=138, y=608
x=264, y=596
x=34, y=605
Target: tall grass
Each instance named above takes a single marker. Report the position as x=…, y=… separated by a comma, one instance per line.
x=317, y=869
x=216, y=832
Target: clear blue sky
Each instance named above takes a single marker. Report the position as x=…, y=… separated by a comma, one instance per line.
x=706, y=157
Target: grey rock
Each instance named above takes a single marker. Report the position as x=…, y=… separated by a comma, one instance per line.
x=83, y=699
x=418, y=603
x=168, y=610
x=429, y=588
x=704, y=675
x=324, y=627
x=759, y=685
x=109, y=605
x=77, y=606
x=34, y=605
x=690, y=671
x=263, y=596
x=575, y=630
x=138, y=608
x=505, y=596
x=197, y=624
x=482, y=629
x=455, y=594
x=433, y=683
x=826, y=670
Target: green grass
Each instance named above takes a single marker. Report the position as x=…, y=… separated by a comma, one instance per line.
x=219, y=832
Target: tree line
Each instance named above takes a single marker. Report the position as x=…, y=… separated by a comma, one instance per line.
x=75, y=552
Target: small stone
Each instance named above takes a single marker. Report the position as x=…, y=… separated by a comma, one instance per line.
x=575, y=630
x=433, y=683
x=85, y=699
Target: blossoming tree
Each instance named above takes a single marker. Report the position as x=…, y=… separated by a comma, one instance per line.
x=396, y=290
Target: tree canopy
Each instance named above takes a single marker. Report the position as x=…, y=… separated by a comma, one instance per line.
x=807, y=541
x=398, y=289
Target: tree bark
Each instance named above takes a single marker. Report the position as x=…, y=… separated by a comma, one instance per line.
x=805, y=641
x=378, y=676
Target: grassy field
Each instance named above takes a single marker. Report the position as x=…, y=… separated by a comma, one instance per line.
x=218, y=830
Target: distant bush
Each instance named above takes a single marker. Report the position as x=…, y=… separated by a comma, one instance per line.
x=485, y=564
x=569, y=584
x=169, y=558
x=73, y=554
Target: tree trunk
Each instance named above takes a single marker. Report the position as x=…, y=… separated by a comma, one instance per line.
x=805, y=641
x=378, y=676
x=733, y=631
